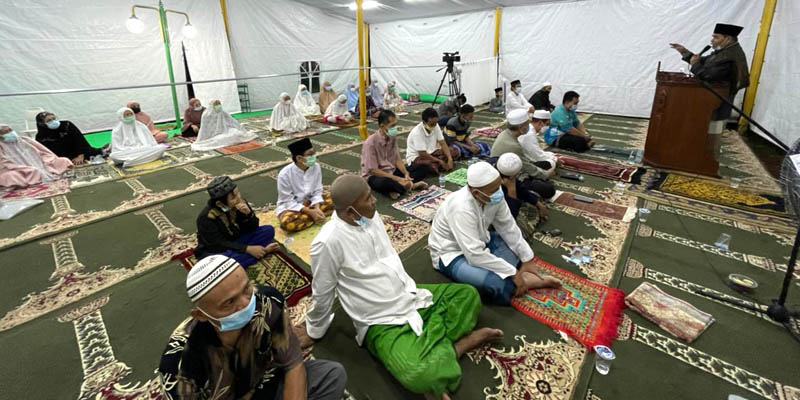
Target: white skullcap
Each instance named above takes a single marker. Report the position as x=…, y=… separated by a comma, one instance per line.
x=509, y=164
x=518, y=116
x=207, y=273
x=481, y=174
x=541, y=114
x=546, y=84
x=342, y=98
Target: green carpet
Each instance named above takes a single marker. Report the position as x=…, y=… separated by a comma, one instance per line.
x=81, y=303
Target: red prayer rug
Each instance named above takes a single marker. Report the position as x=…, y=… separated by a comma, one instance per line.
x=277, y=270
x=585, y=310
x=488, y=132
x=599, y=207
x=624, y=173
x=238, y=148
x=39, y=191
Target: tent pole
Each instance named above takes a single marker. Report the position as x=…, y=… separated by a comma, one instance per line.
x=162, y=19
x=362, y=103
x=368, y=61
x=224, y=8
x=497, y=14
x=758, y=61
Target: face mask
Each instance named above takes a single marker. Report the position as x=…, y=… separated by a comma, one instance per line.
x=574, y=108
x=367, y=93
x=499, y=96
x=304, y=92
x=328, y=88
x=311, y=160
x=10, y=137
x=136, y=110
x=128, y=120
x=286, y=101
x=218, y=107
x=430, y=128
x=392, y=131
x=362, y=221
x=54, y=124
x=391, y=90
x=198, y=108
x=496, y=197
x=518, y=90
x=238, y=319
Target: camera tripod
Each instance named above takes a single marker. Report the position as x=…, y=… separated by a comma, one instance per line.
x=452, y=83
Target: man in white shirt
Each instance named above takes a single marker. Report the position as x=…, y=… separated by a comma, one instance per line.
x=516, y=100
x=545, y=160
x=417, y=331
x=463, y=249
x=426, y=145
x=301, y=202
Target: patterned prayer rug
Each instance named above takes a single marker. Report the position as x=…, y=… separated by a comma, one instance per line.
x=488, y=132
x=39, y=191
x=674, y=315
x=599, y=207
x=719, y=193
x=276, y=270
x=459, y=177
x=424, y=204
x=618, y=172
x=90, y=174
x=167, y=161
x=178, y=141
x=585, y=310
x=238, y=148
x=342, y=125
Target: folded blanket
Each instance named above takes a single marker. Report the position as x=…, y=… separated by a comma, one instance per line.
x=674, y=315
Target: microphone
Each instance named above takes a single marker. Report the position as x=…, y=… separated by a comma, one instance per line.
x=705, y=49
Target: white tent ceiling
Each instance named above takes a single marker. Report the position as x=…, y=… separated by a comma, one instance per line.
x=394, y=10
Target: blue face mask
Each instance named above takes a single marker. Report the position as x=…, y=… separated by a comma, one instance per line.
x=574, y=108
x=328, y=88
x=54, y=124
x=362, y=221
x=311, y=160
x=304, y=92
x=10, y=137
x=237, y=320
x=518, y=90
x=496, y=197
x=392, y=131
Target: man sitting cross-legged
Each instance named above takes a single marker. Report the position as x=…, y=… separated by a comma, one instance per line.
x=463, y=249
x=418, y=332
x=238, y=344
x=301, y=201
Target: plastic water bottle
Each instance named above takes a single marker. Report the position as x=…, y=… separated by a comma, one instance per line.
x=632, y=157
x=442, y=180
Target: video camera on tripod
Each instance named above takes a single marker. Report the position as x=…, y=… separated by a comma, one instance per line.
x=451, y=58
x=453, y=82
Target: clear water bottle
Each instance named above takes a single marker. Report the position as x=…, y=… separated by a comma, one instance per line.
x=632, y=157
x=442, y=180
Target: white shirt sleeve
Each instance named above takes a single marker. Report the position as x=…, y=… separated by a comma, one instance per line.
x=286, y=194
x=324, y=269
x=507, y=228
x=465, y=231
x=316, y=195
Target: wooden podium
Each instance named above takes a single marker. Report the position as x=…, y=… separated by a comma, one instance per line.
x=677, y=137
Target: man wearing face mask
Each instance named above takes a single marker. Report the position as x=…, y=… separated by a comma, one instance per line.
x=726, y=64
x=25, y=162
x=426, y=145
x=238, y=343
x=418, y=331
x=227, y=225
x=541, y=99
x=192, y=117
x=449, y=107
x=496, y=104
x=381, y=164
x=147, y=120
x=516, y=100
x=301, y=201
x=457, y=134
x=499, y=264
x=532, y=151
x=566, y=131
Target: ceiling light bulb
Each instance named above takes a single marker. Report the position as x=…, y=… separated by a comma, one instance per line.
x=134, y=25
x=189, y=31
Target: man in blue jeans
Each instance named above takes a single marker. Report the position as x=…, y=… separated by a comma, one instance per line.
x=500, y=263
x=227, y=225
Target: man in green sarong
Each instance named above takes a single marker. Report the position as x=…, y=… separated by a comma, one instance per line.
x=417, y=331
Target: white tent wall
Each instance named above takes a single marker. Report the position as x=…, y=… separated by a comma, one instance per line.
x=422, y=42
x=274, y=37
x=778, y=99
x=608, y=50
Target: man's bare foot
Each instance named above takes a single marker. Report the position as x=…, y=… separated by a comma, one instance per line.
x=535, y=282
x=394, y=196
x=302, y=336
x=421, y=185
x=477, y=338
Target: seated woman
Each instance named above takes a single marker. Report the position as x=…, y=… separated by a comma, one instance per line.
x=541, y=99
x=229, y=226
x=131, y=141
x=327, y=96
x=352, y=97
x=376, y=92
x=391, y=100
x=145, y=118
x=304, y=102
x=337, y=112
x=192, y=118
x=219, y=129
x=285, y=116
x=25, y=162
x=64, y=139
x=372, y=109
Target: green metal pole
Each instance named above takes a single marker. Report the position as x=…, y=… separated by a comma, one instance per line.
x=162, y=18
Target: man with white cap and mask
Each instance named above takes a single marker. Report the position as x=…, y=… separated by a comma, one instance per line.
x=238, y=343
x=531, y=149
x=508, y=142
x=499, y=264
x=418, y=331
x=541, y=99
x=516, y=192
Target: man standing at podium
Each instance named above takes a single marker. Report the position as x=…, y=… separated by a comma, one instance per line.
x=726, y=64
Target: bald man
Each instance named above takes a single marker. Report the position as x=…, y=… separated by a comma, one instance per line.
x=500, y=263
x=417, y=331
x=238, y=344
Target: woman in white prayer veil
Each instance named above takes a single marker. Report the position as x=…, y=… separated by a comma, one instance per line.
x=305, y=103
x=131, y=141
x=285, y=116
x=25, y=162
x=392, y=100
x=337, y=112
x=219, y=129
x=377, y=94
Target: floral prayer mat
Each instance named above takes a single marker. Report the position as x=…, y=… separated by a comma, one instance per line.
x=598, y=207
x=90, y=174
x=488, y=132
x=719, y=193
x=674, y=315
x=617, y=172
x=459, y=177
x=585, y=310
x=276, y=270
x=39, y=191
x=424, y=204
x=167, y=161
x=238, y=148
